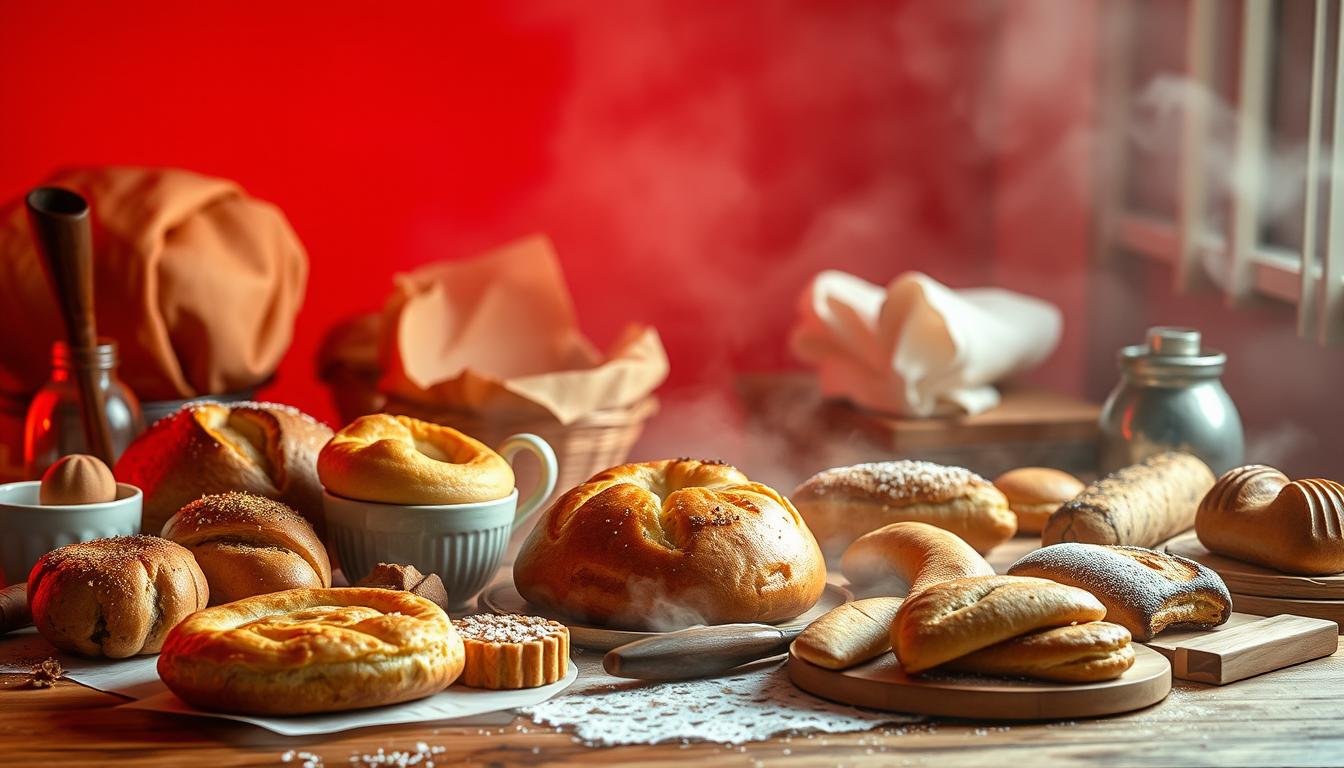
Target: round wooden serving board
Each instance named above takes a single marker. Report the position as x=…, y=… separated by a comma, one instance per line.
x=882, y=684
x=504, y=598
x=1248, y=579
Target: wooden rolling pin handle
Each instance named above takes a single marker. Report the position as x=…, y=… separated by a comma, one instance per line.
x=61, y=229
x=695, y=652
x=14, y=613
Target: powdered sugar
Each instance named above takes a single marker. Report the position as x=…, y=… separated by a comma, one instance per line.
x=506, y=628
x=895, y=481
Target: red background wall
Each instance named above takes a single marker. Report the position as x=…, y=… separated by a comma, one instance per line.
x=694, y=162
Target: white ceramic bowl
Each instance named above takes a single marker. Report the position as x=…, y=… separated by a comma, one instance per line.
x=29, y=530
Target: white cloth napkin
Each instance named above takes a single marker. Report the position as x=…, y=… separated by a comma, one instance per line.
x=917, y=347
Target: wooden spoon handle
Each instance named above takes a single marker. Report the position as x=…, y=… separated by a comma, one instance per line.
x=60, y=221
x=696, y=652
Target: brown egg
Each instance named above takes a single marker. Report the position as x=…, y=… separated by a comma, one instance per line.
x=77, y=479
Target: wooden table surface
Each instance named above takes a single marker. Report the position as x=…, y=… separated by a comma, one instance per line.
x=1291, y=717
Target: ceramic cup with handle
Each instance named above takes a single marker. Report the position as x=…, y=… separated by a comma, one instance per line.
x=462, y=543
x=30, y=529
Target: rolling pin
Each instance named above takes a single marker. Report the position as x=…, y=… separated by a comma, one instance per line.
x=697, y=651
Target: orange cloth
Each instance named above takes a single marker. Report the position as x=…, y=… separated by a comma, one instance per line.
x=198, y=283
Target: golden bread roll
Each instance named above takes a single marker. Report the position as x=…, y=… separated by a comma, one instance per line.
x=1034, y=493
x=401, y=460
x=915, y=555
x=312, y=650
x=507, y=652
x=114, y=597
x=77, y=479
x=842, y=504
x=949, y=620
x=1256, y=514
x=262, y=448
x=1143, y=591
x=249, y=545
x=669, y=544
x=849, y=634
x=1141, y=506
x=1079, y=653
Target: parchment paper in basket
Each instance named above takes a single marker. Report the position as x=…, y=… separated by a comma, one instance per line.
x=918, y=348
x=497, y=334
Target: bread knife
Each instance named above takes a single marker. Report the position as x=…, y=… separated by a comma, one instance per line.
x=697, y=651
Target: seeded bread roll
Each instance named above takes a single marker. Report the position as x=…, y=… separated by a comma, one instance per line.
x=1143, y=591
x=844, y=503
x=1140, y=506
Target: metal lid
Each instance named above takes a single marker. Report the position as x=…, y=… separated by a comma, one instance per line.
x=1172, y=352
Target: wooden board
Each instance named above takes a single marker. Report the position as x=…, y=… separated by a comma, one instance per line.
x=1249, y=579
x=504, y=598
x=1245, y=646
x=1331, y=610
x=882, y=684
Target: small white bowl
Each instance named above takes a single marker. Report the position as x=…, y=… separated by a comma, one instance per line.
x=29, y=530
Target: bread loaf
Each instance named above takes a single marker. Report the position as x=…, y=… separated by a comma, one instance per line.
x=1141, y=505
x=1256, y=514
x=912, y=556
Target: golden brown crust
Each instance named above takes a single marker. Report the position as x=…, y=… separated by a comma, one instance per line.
x=844, y=503
x=1256, y=514
x=667, y=544
x=1034, y=493
x=262, y=448
x=911, y=555
x=249, y=545
x=1080, y=653
x=312, y=650
x=1144, y=591
x=77, y=479
x=506, y=652
x=1140, y=506
x=849, y=634
x=955, y=618
x=114, y=597
x=401, y=460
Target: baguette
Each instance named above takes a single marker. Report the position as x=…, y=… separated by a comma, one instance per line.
x=1139, y=506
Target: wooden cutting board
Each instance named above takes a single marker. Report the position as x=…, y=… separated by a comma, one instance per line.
x=882, y=684
x=1329, y=610
x=1245, y=646
x=1248, y=579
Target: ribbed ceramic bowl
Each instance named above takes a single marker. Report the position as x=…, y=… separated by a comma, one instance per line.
x=29, y=530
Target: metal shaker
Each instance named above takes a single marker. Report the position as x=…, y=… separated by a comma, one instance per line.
x=1170, y=398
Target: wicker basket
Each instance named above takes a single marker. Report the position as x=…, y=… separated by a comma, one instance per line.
x=583, y=448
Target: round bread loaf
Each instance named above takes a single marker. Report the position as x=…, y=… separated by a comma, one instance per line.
x=401, y=460
x=1034, y=493
x=1143, y=591
x=844, y=503
x=668, y=544
x=1079, y=653
x=114, y=597
x=910, y=555
x=312, y=650
x=249, y=545
x=262, y=448
x=958, y=617
x=1256, y=514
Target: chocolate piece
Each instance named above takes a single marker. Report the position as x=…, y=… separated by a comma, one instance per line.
x=407, y=579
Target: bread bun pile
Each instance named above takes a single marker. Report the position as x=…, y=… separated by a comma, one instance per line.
x=262, y=448
x=1256, y=514
x=249, y=545
x=667, y=544
x=844, y=503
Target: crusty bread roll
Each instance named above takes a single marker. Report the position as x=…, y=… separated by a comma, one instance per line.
x=262, y=448
x=668, y=544
x=912, y=556
x=1141, y=505
x=312, y=650
x=1079, y=653
x=849, y=634
x=1034, y=493
x=1256, y=514
x=401, y=460
x=949, y=620
x=114, y=597
x=249, y=545
x=842, y=504
x=1143, y=591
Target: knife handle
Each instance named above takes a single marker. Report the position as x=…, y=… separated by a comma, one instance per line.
x=695, y=652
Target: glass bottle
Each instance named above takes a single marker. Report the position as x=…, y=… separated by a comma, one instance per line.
x=55, y=423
